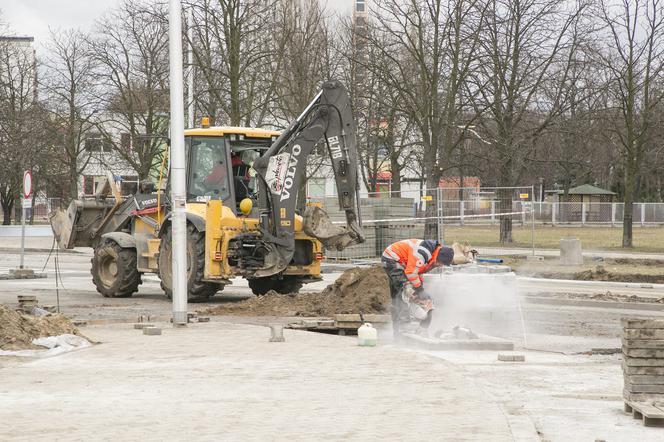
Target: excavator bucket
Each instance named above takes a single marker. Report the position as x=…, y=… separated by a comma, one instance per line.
x=86, y=219
x=77, y=226
x=317, y=224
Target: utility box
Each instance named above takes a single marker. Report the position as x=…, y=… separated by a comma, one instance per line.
x=571, y=253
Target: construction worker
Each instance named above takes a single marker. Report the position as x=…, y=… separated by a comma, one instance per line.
x=404, y=262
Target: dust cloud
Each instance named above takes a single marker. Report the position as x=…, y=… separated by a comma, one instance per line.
x=486, y=303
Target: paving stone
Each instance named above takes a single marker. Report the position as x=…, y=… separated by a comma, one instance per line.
x=511, y=358
x=642, y=323
x=643, y=362
x=651, y=353
x=638, y=388
x=643, y=333
x=142, y=325
x=643, y=343
x=151, y=331
x=652, y=371
x=643, y=379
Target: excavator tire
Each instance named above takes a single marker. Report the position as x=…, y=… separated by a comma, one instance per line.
x=197, y=289
x=289, y=284
x=114, y=271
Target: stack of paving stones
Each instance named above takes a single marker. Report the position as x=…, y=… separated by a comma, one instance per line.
x=27, y=302
x=643, y=368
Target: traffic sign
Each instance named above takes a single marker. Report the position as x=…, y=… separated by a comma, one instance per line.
x=27, y=203
x=27, y=184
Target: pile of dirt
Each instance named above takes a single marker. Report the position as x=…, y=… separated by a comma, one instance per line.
x=17, y=330
x=357, y=290
x=600, y=273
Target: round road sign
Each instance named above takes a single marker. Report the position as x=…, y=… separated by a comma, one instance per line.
x=27, y=183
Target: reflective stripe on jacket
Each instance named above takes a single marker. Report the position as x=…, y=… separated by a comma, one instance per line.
x=415, y=255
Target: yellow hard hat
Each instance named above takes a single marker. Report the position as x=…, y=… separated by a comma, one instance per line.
x=246, y=205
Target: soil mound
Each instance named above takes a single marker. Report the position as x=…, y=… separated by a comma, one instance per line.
x=17, y=330
x=357, y=290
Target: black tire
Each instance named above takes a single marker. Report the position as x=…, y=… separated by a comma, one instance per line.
x=114, y=271
x=197, y=289
x=289, y=284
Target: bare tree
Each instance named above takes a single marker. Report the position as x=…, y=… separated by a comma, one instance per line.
x=431, y=49
x=232, y=51
x=21, y=119
x=525, y=50
x=131, y=74
x=68, y=83
x=634, y=60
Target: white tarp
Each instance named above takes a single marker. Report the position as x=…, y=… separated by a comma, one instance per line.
x=54, y=345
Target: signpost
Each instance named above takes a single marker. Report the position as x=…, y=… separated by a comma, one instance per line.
x=27, y=202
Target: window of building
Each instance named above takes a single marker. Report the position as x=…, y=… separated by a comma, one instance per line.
x=316, y=187
x=97, y=144
x=359, y=5
x=88, y=185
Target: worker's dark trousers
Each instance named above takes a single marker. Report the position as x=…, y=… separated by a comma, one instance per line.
x=397, y=279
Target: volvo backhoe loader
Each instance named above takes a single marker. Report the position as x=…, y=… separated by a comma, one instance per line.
x=242, y=187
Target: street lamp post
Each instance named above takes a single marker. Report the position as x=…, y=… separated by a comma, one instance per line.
x=178, y=190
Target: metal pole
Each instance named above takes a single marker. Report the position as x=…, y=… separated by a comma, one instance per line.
x=439, y=213
x=532, y=217
x=190, y=71
x=178, y=190
x=20, y=266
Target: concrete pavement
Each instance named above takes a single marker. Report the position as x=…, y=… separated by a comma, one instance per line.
x=218, y=381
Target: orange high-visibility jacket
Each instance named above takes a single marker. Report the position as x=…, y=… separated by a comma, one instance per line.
x=416, y=256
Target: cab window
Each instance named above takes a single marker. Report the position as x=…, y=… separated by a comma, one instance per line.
x=208, y=172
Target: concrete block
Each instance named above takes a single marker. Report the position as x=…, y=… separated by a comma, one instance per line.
x=571, y=252
x=643, y=343
x=151, y=331
x=23, y=274
x=483, y=342
x=277, y=333
x=643, y=333
x=650, y=353
x=511, y=358
x=644, y=379
x=203, y=319
x=643, y=362
x=142, y=325
x=652, y=371
x=642, y=323
x=534, y=258
x=639, y=388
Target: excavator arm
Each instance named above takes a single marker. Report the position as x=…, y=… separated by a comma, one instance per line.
x=282, y=168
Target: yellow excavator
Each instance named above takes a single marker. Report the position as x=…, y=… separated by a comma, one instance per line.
x=242, y=186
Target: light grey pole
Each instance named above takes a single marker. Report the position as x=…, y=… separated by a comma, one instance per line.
x=20, y=266
x=532, y=217
x=190, y=68
x=177, y=175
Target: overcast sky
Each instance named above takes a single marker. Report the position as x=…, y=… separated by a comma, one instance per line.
x=33, y=17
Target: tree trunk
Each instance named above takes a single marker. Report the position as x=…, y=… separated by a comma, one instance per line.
x=6, y=214
x=630, y=180
x=505, y=206
x=431, y=223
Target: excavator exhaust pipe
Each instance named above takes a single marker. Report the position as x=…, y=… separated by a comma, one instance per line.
x=317, y=223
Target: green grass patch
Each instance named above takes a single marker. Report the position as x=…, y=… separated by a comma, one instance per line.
x=646, y=239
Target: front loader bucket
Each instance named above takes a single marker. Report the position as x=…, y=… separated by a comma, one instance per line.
x=317, y=223
x=82, y=223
